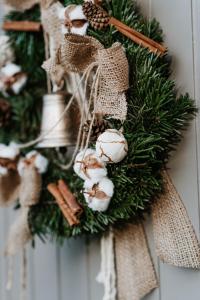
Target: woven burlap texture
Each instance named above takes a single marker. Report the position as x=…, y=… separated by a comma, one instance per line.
x=19, y=234
x=83, y=53
x=135, y=272
x=78, y=52
x=9, y=188
x=175, y=239
x=30, y=188
x=29, y=194
x=113, y=81
x=52, y=25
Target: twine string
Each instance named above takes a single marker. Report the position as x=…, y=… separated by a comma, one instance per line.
x=80, y=142
x=42, y=136
x=10, y=273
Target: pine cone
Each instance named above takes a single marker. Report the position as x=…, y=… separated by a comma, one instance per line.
x=98, y=127
x=5, y=112
x=96, y=15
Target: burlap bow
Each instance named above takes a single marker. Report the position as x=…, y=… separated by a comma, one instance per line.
x=175, y=242
x=81, y=54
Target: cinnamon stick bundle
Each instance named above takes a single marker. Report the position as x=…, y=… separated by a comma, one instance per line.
x=66, y=201
x=22, y=26
x=70, y=198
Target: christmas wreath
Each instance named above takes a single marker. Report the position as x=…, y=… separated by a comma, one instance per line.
x=156, y=116
x=92, y=156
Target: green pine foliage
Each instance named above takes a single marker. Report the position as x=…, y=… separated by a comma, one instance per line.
x=156, y=118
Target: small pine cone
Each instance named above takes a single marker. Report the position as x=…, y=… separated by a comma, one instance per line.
x=96, y=15
x=5, y=112
x=98, y=127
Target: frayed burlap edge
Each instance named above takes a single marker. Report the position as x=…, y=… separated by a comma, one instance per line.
x=175, y=240
x=135, y=271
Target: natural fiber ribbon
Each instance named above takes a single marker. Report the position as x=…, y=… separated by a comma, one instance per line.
x=83, y=53
x=135, y=271
x=52, y=25
x=22, y=5
x=29, y=193
x=175, y=239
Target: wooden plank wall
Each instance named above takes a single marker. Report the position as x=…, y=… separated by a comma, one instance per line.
x=68, y=272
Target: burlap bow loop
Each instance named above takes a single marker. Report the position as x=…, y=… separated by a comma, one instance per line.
x=114, y=68
x=77, y=52
x=80, y=54
x=113, y=82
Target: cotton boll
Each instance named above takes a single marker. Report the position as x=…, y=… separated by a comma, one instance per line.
x=80, y=30
x=69, y=16
x=77, y=13
x=34, y=158
x=88, y=165
x=11, y=151
x=41, y=163
x=111, y=146
x=10, y=69
x=19, y=84
x=98, y=194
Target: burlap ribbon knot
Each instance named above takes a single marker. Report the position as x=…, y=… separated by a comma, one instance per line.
x=84, y=54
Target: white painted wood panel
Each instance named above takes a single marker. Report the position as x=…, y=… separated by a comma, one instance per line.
x=68, y=272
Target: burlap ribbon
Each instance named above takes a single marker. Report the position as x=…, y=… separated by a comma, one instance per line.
x=175, y=239
x=81, y=54
x=135, y=272
x=29, y=193
x=52, y=25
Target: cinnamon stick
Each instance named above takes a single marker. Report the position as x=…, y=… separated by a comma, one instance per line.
x=139, y=41
x=22, y=26
x=69, y=198
x=138, y=37
x=53, y=189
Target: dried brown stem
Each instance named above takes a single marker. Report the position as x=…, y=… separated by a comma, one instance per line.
x=22, y=26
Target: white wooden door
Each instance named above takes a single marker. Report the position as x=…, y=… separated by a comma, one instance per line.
x=68, y=272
